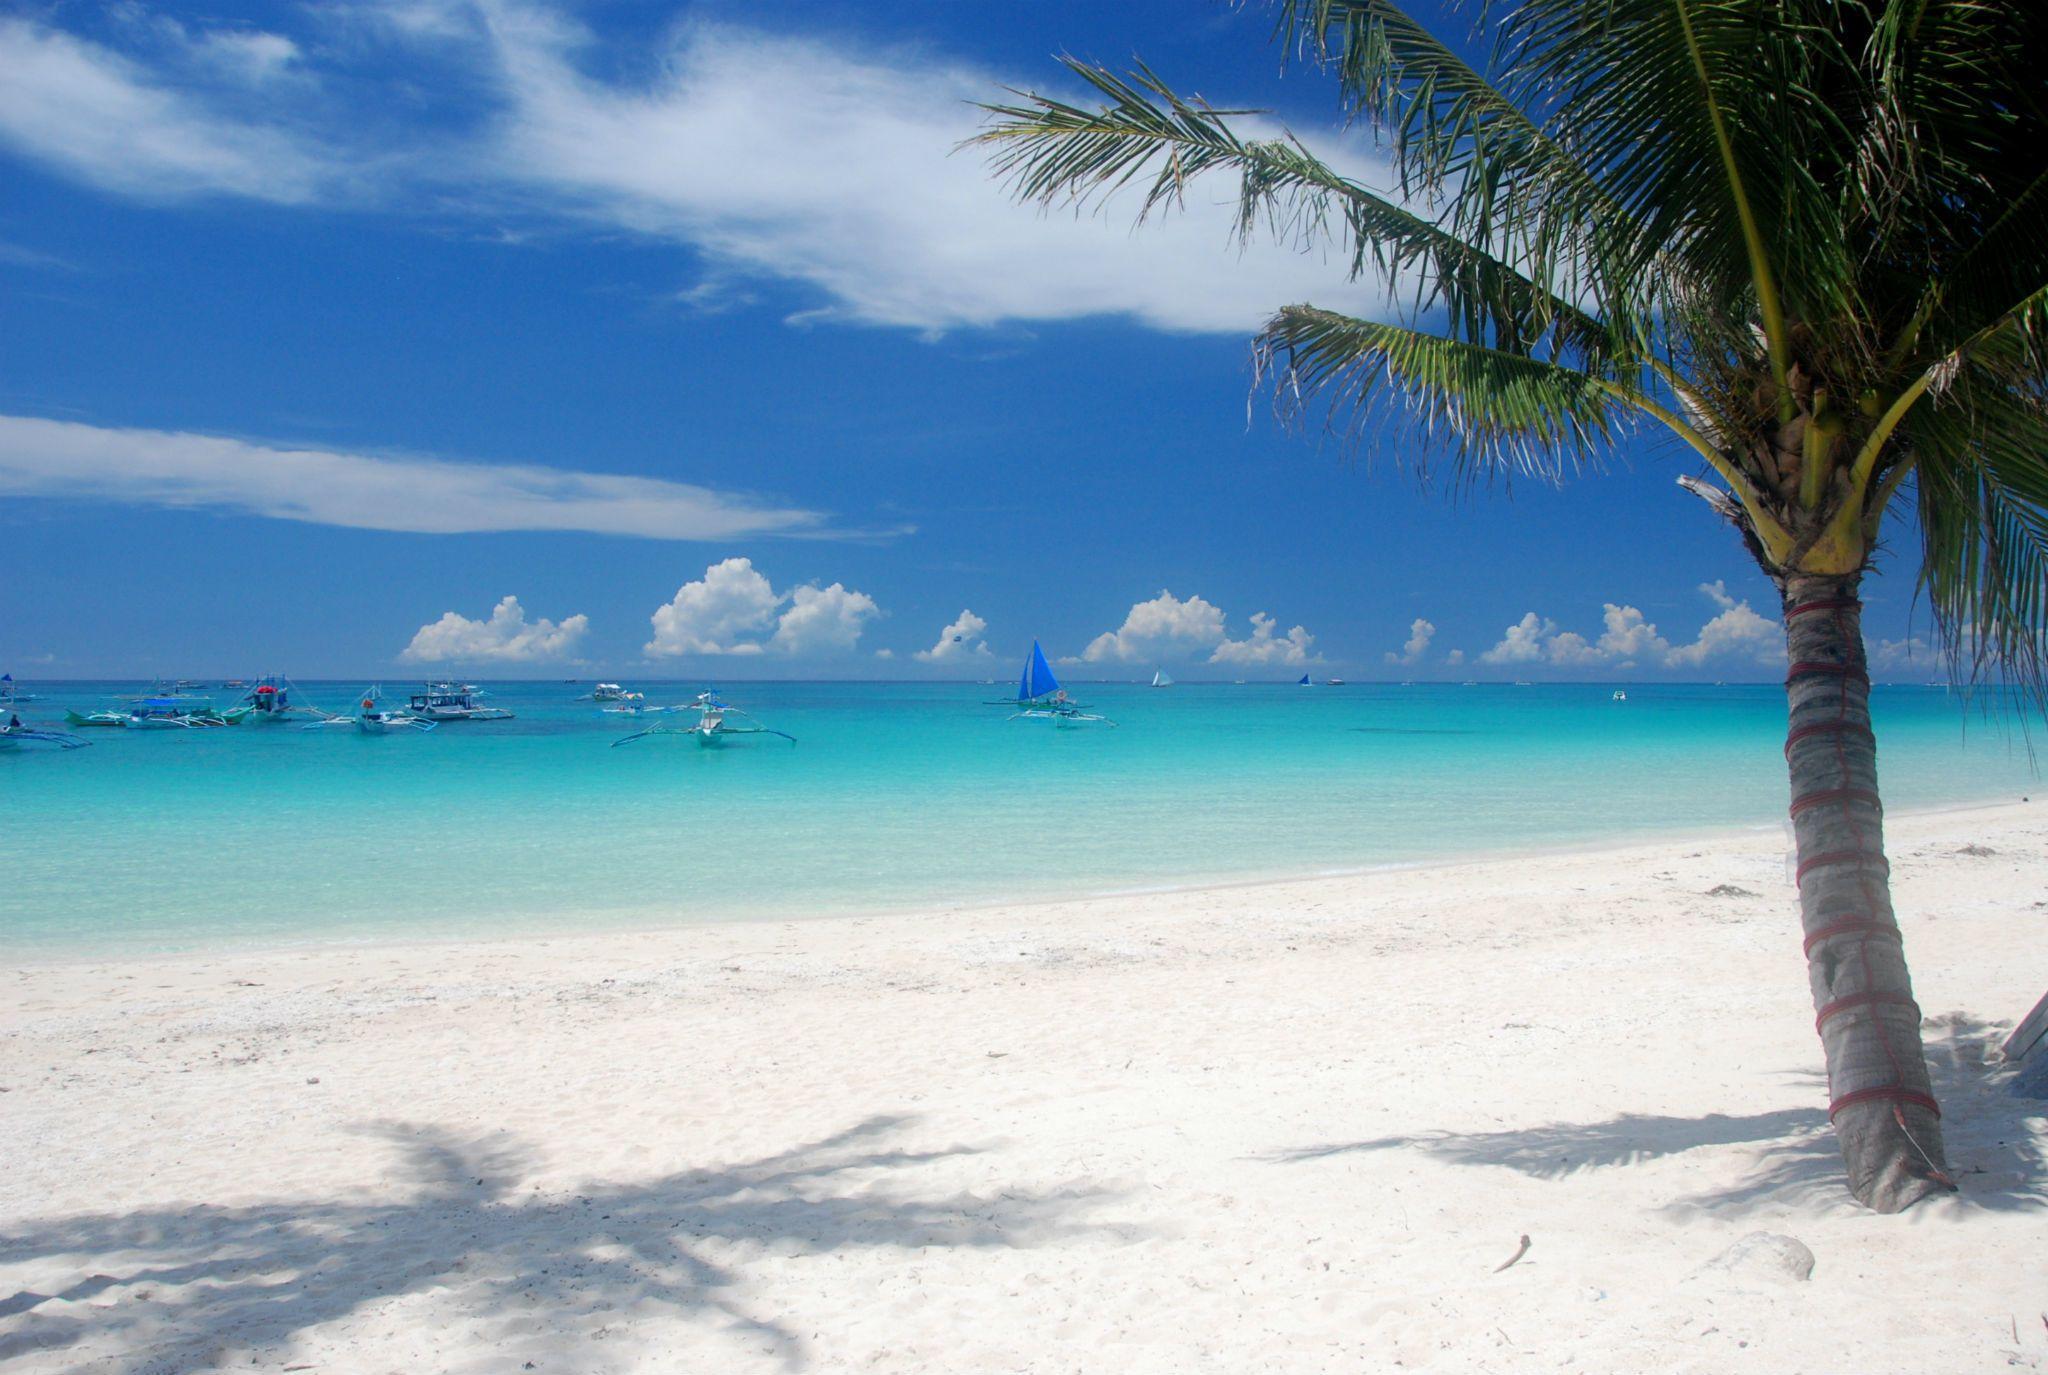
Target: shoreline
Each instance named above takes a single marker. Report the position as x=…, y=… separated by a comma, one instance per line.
x=56, y=954
x=1284, y=1127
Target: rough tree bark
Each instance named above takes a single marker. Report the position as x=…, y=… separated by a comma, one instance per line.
x=1880, y=1100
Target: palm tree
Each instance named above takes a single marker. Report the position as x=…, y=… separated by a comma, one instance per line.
x=1807, y=238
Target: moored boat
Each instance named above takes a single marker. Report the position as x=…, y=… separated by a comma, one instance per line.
x=717, y=722
x=453, y=702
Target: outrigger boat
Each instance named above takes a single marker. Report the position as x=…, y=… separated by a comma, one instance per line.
x=370, y=721
x=182, y=712
x=454, y=702
x=15, y=736
x=1041, y=698
x=612, y=692
x=715, y=723
x=268, y=703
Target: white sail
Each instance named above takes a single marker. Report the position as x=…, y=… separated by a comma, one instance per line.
x=1161, y=679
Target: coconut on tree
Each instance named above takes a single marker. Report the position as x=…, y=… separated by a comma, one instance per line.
x=1806, y=240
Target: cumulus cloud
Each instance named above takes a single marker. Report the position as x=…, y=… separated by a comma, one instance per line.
x=1164, y=627
x=1523, y=643
x=827, y=163
x=1416, y=645
x=1736, y=633
x=822, y=620
x=1266, y=648
x=1628, y=640
x=61, y=458
x=1168, y=628
x=1912, y=652
x=507, y=637
x=734, y=609
x=959, y=640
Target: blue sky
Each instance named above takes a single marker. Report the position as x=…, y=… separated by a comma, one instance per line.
x=331, y=326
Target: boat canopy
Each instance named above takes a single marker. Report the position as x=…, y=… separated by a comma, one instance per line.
x=1037, y=680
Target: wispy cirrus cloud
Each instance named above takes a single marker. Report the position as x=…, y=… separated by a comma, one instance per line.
x=135, y=467
x=831, y=165
x=112, y=120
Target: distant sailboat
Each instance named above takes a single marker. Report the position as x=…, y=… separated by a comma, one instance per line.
x=1160, y=678
x=1306, y=681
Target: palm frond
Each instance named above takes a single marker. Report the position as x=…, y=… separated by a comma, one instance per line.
x=1154, y=142
x=1498, y=412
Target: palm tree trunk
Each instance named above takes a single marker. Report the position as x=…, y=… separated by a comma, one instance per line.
x=1880, y=1100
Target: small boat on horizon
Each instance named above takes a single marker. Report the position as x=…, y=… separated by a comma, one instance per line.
x=1306, y=681
x=1160, y=678
x=1619, y=696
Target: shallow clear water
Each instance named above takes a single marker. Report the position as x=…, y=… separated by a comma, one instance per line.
x=897, y=795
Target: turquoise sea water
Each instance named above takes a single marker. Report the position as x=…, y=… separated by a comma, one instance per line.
x=897, y=795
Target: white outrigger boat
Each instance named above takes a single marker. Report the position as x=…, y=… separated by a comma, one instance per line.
x=1041, y=698
x=454, y=702
x=716, y=723
x=612, y=692
x=368, y=720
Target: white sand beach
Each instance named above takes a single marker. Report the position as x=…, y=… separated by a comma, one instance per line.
x=1292, y=1127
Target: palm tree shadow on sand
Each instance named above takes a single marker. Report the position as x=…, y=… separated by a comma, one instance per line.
x=174, y=1288
x=1997, y=1143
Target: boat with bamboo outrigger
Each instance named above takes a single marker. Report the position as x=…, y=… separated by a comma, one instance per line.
x=453, y=702
x=16, y=736
x=717, y=722
x=370, y=720
x=1041, y=698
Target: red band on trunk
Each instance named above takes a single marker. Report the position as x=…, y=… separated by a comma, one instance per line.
x=1814, y=669
x=1828, y=728
x=1824, y=797
x=1854, y=925
x=1893, y=1092
x=1838, y=857
x=1856, y=1000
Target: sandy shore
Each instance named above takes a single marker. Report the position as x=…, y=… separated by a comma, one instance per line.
x=1296, y=1127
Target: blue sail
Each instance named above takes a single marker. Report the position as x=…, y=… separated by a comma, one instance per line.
x=1037, y=680
x=1304, y=681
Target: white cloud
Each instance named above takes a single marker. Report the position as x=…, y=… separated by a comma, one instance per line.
x=59, y=458
x=823, y=620
x=1736, y=633
x=958, y=640
x=1523, y=642
x=733, y=605
x=1416, y=645
x=507, y=637
x=105, y=119
x=1163, y=627
x=1911, y=652
x=822, y=162
x=1264, y=648
x=1168, y=628
x=1455, y=657
x=1627, y=639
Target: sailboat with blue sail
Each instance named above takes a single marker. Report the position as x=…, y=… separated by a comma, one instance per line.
x=1306, y=681
x=1041, y=698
